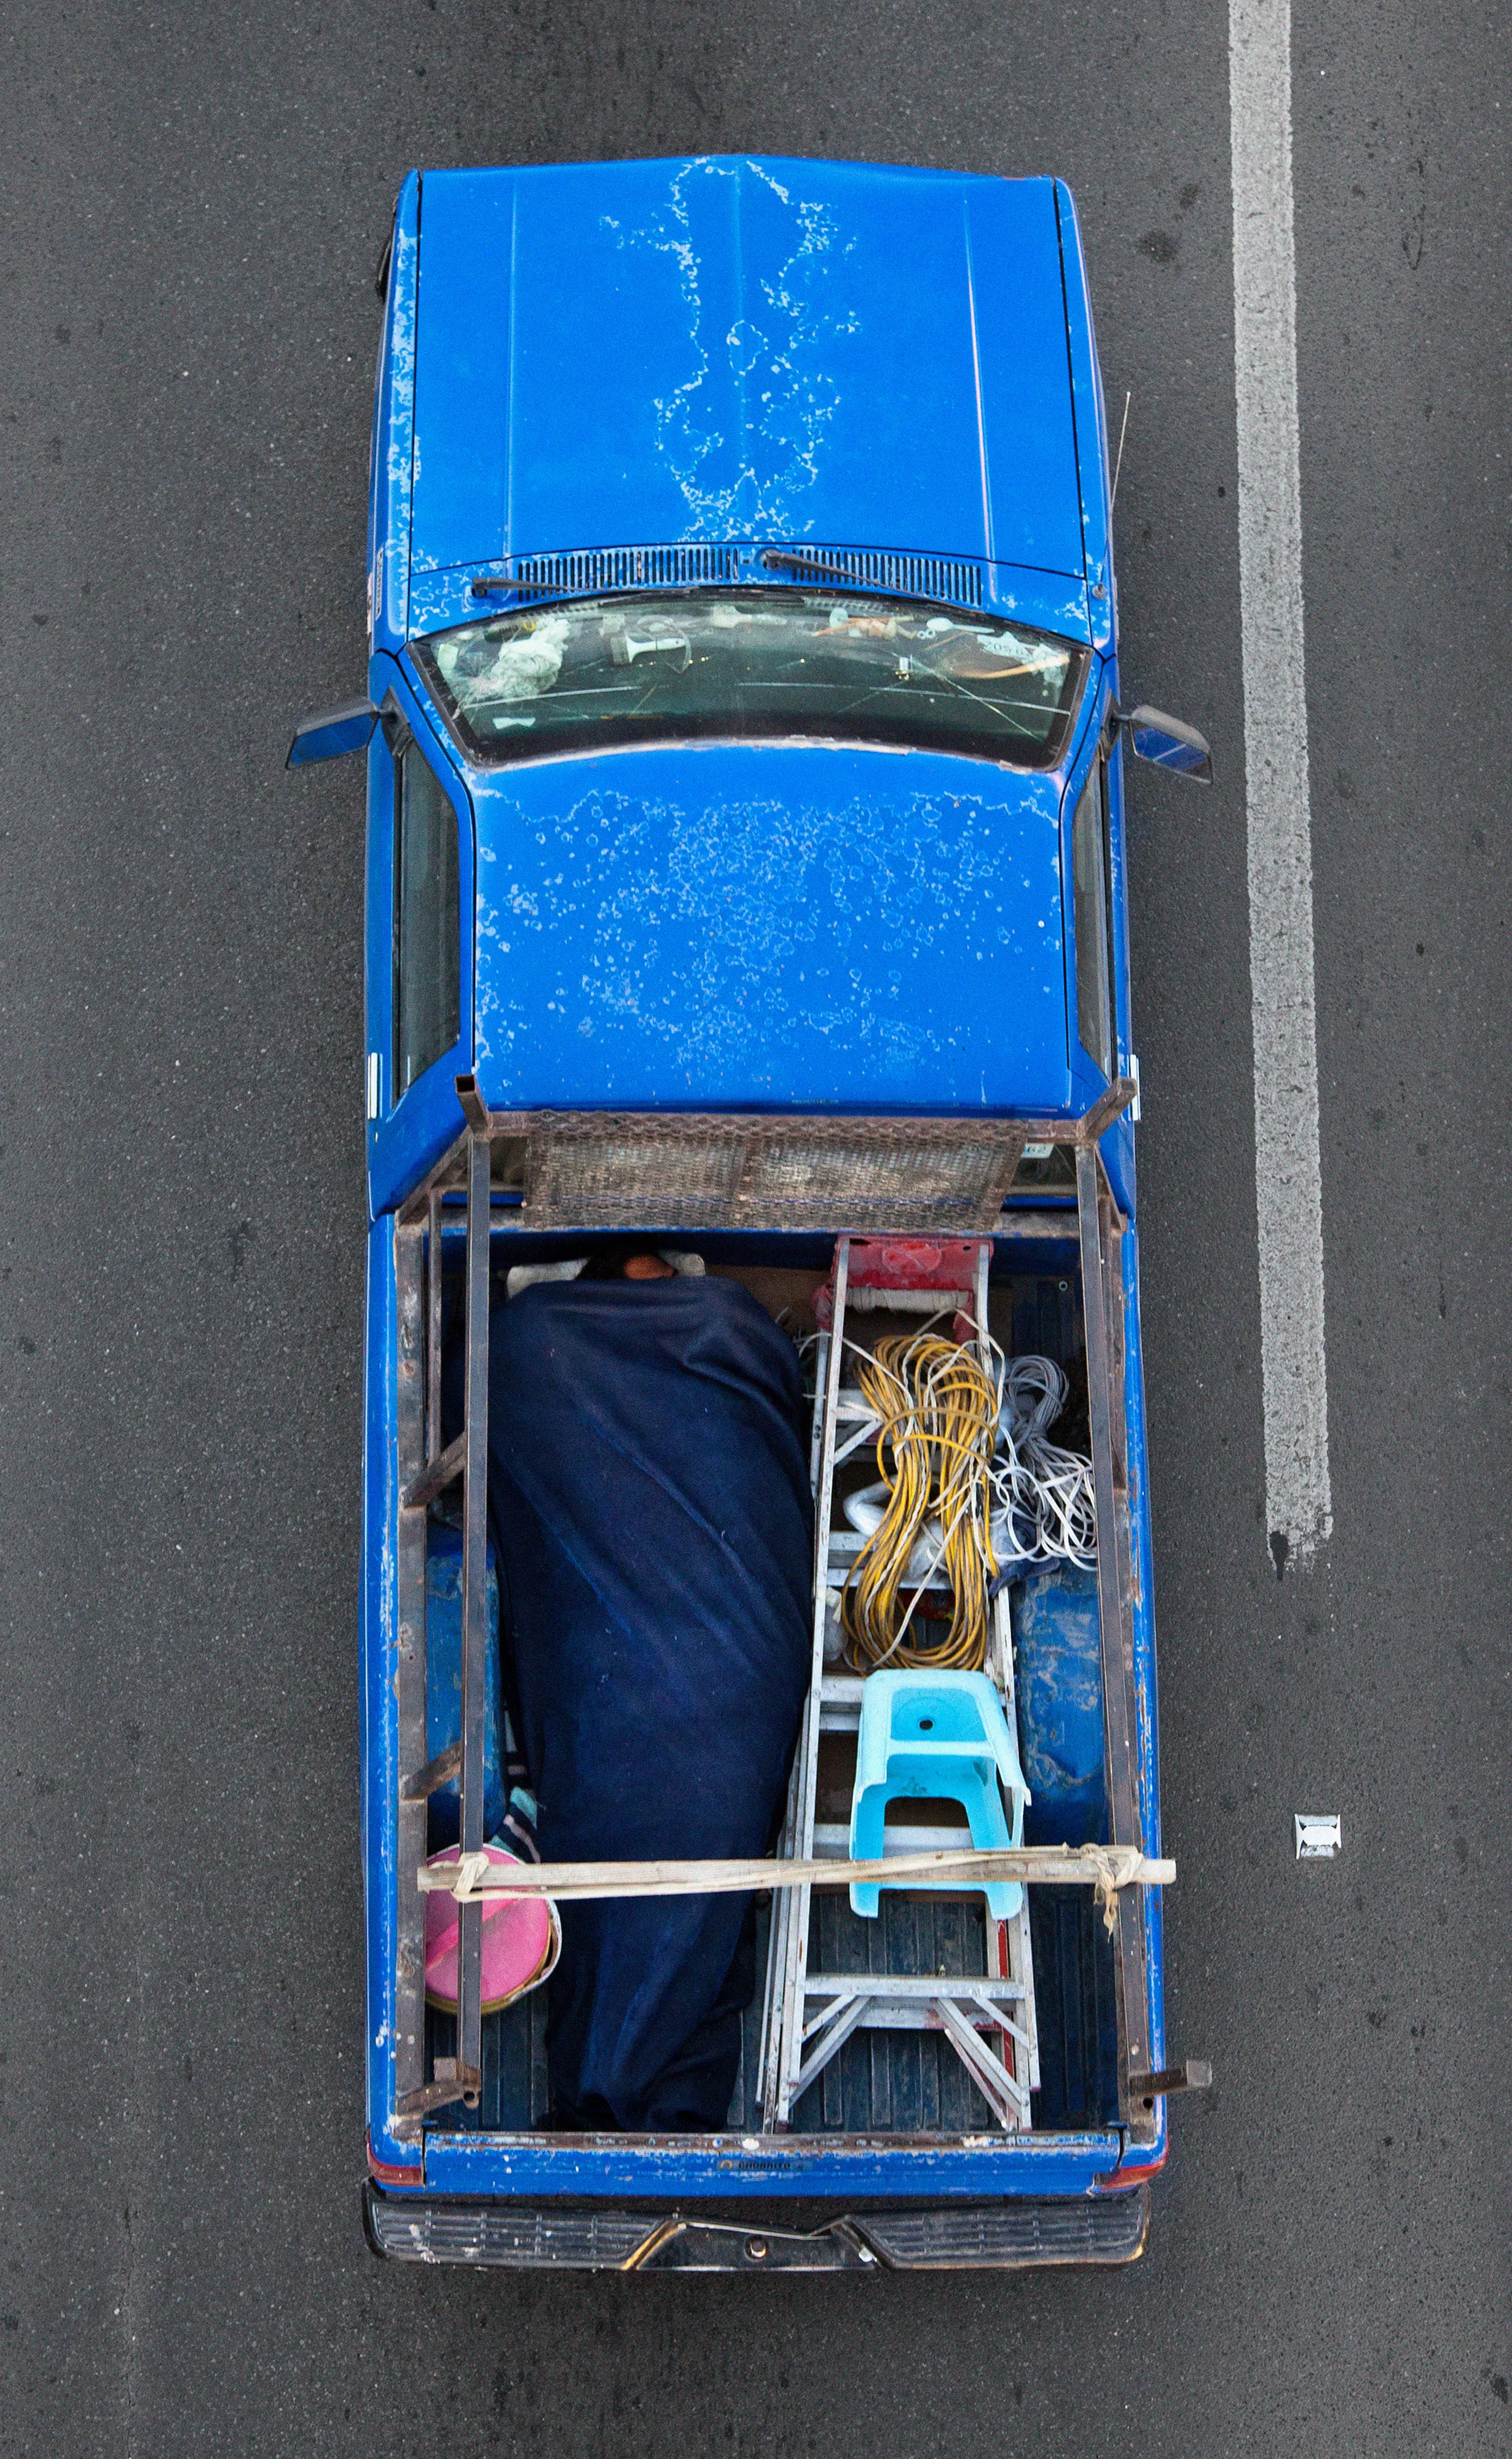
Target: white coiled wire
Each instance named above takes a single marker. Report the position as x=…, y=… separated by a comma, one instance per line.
x=1046, y=1494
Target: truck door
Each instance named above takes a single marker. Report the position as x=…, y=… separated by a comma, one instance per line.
x=419, y=988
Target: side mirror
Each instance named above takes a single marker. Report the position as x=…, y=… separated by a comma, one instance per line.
x=1169, y=744
x=332, y=732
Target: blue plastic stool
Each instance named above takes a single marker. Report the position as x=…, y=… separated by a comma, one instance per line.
x=926, y=1735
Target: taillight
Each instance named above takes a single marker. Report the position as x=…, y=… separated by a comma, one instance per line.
x=393, y=2173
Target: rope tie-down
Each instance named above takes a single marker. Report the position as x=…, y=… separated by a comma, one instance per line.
x=1105, y=1868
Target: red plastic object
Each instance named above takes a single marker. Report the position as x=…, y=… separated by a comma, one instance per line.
x=905, y=1263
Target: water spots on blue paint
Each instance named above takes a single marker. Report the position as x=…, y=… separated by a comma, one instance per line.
x=389, y=604
x=753, y=929
x=744, y=434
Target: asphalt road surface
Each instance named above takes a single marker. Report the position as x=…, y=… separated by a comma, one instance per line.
x=194, y=203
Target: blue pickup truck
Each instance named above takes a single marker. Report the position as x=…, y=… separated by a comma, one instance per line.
x=746, y=875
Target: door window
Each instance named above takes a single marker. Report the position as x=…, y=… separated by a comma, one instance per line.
x=1094, y=969
x=427, y=922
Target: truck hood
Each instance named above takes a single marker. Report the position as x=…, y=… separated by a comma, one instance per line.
x=770, y=927
x=729, y=349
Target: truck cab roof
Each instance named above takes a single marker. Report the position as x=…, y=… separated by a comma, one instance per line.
x=769, y=925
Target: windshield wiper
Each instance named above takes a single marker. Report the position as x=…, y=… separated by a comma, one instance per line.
x=779, y=559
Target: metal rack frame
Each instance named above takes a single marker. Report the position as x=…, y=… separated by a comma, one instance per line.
x=761, y=1174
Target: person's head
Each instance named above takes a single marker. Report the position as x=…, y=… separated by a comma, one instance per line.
x=627, y=1263
x=648, y=1268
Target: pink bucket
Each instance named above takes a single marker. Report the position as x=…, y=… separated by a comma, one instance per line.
x=521, y=1941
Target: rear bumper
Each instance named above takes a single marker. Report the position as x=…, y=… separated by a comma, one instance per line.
x=1008, y=2234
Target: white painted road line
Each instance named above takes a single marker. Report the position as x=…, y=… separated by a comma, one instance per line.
x=1288, y=1175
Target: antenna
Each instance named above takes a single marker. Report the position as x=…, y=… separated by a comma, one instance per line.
x=1119, y=463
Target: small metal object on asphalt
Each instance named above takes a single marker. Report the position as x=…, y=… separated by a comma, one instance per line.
x=1317, y=1835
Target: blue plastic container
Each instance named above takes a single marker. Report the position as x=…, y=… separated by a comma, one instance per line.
x=929, y=1735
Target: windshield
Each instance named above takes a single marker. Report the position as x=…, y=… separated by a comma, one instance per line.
x=606, y=671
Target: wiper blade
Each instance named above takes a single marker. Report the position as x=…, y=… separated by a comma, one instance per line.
x=780, y=559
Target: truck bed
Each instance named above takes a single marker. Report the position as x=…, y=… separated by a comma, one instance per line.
x=881, y=2082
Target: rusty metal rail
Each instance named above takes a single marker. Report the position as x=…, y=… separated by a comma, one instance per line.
x=424, y=1469
x=595, y=1170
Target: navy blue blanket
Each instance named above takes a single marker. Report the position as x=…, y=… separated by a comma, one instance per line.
x=648, y=1490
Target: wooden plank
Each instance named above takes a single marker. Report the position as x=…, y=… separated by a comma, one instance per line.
x=1108, y=1867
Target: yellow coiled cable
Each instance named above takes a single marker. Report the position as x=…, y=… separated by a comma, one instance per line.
x=939, y=1423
